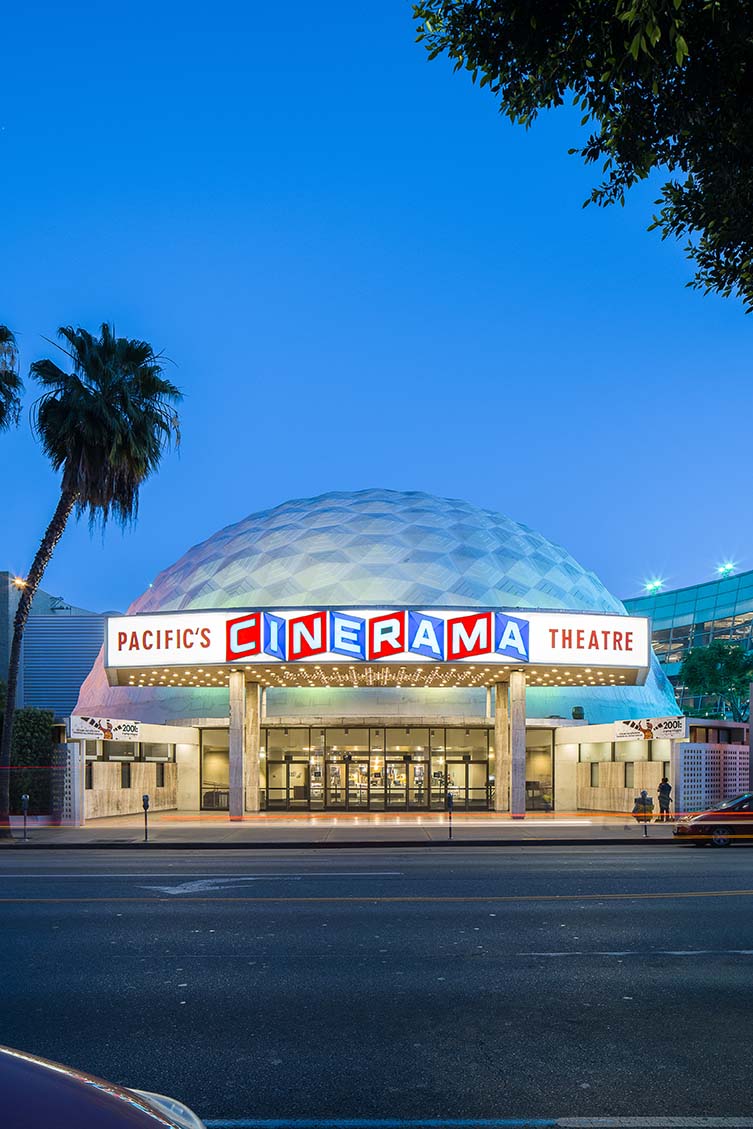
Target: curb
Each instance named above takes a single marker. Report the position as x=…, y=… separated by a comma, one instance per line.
x=325, y=845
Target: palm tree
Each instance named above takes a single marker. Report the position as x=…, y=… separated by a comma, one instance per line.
x=11, y=384
x=105, y=426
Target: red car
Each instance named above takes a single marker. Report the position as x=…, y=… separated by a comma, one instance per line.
x=728, y=822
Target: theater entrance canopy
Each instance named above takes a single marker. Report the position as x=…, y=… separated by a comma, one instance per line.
x=352, y=647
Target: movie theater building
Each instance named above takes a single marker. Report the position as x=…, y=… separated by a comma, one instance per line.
x=371, y=651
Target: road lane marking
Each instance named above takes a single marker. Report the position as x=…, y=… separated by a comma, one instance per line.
x=640, y=953
x=486, y=1123
x=222, y=882
x=383, y=1123
x=200, y=875
x=418, y=899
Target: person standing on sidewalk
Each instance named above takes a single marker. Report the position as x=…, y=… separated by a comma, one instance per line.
x=665, y=797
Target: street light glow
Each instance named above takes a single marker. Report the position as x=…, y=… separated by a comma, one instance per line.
x=651, y=587
x=726, y=569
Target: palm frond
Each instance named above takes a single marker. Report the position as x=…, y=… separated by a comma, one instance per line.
x=11, y=385
x=106, y=424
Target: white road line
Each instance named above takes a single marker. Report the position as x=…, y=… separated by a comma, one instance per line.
x=485, y=1123
x=642, y=953
x=200, y=874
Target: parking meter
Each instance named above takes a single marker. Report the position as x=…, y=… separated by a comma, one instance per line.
x=25, y=810
x=145, y=805
x=145, y=802
x=450, y=802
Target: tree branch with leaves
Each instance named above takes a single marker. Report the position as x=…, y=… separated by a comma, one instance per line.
x=666, y=85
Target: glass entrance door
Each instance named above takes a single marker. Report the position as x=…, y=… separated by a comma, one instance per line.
x=287, y=785
x=357, y=783
x=467, y=783
x=377, y=784
x=397, y=785
x=334, y=783
x=418, y=784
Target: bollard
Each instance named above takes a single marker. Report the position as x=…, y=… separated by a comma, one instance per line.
x=25, y=810
x=145, y=803
x=450, y=802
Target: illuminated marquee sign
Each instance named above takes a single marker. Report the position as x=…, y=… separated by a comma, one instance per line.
x=404, y=635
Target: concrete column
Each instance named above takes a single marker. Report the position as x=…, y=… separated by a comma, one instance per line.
x=501, y=748
x=518, y=744
x=237, y=684
x=253, y=744
x=76, y=770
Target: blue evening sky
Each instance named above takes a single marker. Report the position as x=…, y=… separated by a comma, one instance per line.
x=364, y=277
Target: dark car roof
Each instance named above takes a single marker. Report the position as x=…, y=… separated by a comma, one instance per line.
x=36, y=1092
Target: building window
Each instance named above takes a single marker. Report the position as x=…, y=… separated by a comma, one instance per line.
x=125, y=774
x=629, y=774
x=155, y=752
x=594, y=774
x=160, y=775
x=92, y=749
x=118, y=750
x=89, y=776
x=596, y=751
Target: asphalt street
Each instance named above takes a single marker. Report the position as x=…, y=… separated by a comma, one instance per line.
x=564, y=982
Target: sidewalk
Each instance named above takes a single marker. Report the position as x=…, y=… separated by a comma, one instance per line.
x=283, y=830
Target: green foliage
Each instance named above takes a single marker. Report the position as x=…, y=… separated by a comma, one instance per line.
x=724, y=670
x=11, y=384
x=666, y=84
x=106, y=424
x=31, y=760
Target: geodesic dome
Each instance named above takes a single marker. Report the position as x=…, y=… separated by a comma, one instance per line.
x=375, y=548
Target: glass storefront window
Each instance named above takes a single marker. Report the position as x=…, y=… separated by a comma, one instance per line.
x=473, y=742
x=120, y=750
x=376, y=740
x=408, y=740
x=631, y=750
x=286, y=741
x=347, y=740
x=661, y=750
x=596, y=751
x=156, y=752
x=539, y=776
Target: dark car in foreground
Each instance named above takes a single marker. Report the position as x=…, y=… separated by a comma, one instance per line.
x=38, y=1093
x=728, y=822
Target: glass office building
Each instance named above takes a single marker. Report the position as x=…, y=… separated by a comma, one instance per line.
x=694, y=617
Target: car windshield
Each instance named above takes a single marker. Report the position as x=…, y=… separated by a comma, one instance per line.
x=730, y=803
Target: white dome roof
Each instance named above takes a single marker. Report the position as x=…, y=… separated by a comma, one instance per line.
x=378, y=548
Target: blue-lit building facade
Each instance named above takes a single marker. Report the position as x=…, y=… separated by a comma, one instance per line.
x=684, y=618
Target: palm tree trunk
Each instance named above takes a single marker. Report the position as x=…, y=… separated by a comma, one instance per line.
x=52, y=535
